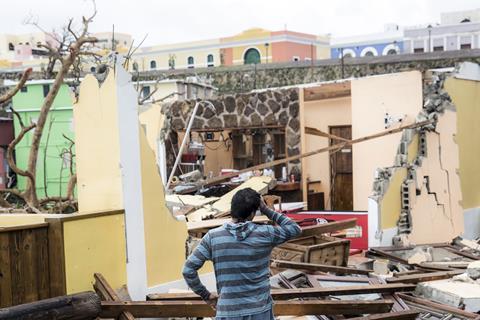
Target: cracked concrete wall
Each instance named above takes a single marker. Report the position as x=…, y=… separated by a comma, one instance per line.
x=465, y=95
x=399, y=95
x=418, y=199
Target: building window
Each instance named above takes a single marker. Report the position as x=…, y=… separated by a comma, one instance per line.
x=438, y=48
x=24, y=89
x=251, y=56
x=145, y=92
x=418, y=50
x=347, y=55
x=46, y=89
x=11, y=47
x=466, y=46
x=153, y=65
x=368, y=54
x=210, y=60
x=135, y=66
x=391, y=52
x=295, y=58
x=190, y=62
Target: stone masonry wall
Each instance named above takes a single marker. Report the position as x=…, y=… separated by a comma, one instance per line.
x=254, y=109
x=249, y=77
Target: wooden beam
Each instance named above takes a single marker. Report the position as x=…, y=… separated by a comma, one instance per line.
x=328, y=227
x=106, y=292
x=314, y=96
x=285, y=294
x=85, y=305
x=422, y=277
x=317, y=267
x=320, y=133
x=318, y=151
x=164, y=309
x=437, y=306
x=213, y=223
x=401, y=315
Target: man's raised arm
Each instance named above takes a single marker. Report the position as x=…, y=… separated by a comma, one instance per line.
x=287, y=229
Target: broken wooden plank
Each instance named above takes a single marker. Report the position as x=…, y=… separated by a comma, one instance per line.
x=400, y=315
x=152, y=309
x=314, y=152
x=213, y=223
x=106, y=293
x=437, y=306
x=317, y=267
x=285, y=294
x=328, y=227
x=84, y=305
x=422, y=277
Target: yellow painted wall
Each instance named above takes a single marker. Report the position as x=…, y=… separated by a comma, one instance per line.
x=466, y=97
x=398, y=94
x=164, y=236
x=151, y=120
x=321, y=115
x=251, y=34
x=99, y=182
x=390, y=205
x=181, y=56
x=94, y=245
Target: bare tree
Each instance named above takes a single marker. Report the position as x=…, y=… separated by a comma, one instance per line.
x=71, y=47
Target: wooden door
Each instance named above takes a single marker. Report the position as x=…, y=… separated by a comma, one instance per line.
x=341, y=187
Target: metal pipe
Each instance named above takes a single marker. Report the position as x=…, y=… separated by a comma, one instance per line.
x=184, y=141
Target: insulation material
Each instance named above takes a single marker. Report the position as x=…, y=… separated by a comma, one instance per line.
x=260, y=184
x=195, y=201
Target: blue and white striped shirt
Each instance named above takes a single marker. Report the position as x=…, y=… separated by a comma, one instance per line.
x=240, y=253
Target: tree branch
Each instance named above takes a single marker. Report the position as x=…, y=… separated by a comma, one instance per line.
x=9, y=95
x=10, y=149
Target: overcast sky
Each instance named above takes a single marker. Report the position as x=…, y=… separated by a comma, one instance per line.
x=183, y=20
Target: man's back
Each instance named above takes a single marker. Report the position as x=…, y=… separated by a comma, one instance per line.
x=240, y=253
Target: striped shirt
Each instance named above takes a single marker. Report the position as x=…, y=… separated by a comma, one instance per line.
x=240, y=253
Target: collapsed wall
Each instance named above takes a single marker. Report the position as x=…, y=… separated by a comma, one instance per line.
x=421, y=191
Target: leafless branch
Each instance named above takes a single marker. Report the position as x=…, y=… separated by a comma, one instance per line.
x=9, y=95
x=10, y=149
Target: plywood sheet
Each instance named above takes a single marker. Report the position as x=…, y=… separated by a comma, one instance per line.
x=260, y=184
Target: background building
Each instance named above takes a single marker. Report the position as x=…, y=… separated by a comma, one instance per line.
x=377, y=44
x=53, y=167
x=251, y=46
x=456, y=31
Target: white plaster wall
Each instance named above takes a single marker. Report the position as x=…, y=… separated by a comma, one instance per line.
x=398, y=94
x=320, y=115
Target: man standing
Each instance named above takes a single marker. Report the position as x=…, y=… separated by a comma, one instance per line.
x=240, y=252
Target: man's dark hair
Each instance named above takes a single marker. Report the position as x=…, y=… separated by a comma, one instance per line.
x=244, y=202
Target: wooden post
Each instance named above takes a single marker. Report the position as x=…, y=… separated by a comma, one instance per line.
x=80, y=306
x=166, y=309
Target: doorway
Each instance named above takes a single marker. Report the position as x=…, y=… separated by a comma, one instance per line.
x=341, y=182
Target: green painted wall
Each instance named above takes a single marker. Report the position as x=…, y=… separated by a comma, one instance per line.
x=52, y=170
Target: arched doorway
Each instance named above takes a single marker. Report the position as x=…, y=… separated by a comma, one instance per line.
x=251, y=56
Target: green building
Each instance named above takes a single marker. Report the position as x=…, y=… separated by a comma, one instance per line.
x=53, y=163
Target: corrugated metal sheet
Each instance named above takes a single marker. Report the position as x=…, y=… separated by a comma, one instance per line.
x=6, y=131
x=3, y=168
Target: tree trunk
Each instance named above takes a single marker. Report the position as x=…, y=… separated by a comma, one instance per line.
x=80, y=306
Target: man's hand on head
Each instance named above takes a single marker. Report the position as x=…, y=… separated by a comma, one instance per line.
x=263, y=205
x=212, y=301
